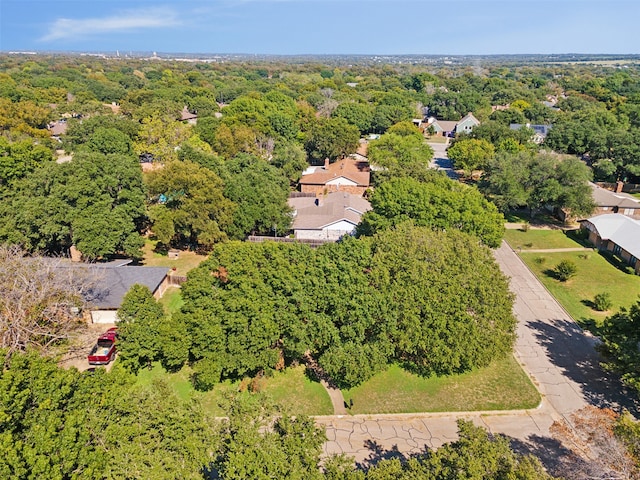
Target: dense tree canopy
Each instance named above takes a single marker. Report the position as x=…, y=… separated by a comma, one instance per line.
x=189, y=204
x=439, y=203
x=620, y=336
x=537, y=180
x=470, y=154
x=399, y=155
x=252, y=306
x=64, y=424
x=96, y=202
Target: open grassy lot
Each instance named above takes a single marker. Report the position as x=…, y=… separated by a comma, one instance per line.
x=186, y=260
x=595, y=275
x=501, y=386
x=541, y=239
x=289, y=388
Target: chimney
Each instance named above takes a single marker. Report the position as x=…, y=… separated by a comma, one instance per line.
x=619, y=186
x=326, y=163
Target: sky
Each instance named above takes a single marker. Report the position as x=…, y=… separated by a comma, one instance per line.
x=322, y=27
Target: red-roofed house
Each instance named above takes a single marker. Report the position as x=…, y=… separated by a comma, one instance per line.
x=349, y=175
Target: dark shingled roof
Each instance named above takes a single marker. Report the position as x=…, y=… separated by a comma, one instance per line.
x=117, y=282
x=114, y=279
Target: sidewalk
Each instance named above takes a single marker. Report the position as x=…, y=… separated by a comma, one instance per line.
x=558, y=356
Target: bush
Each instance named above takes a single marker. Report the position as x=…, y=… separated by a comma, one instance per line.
x=565, y=270
x=525, y=227
x=540, y=260
x=602, y=301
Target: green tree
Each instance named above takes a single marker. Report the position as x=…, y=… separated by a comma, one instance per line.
x=109, y=140
x=331, y=138
x=440, y=204
x=260, y=191
x=470, y=154
x=400, y=156
x=67, y=424
x=536, y=180
x=620, y=336
x=189, y=204
x=140, y=316
x=453, y=305
x=255, y=447
x=18, y=159
x=358, y=114
x=95, y=202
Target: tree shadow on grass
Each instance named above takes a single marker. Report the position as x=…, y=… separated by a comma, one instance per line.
x=574, y=353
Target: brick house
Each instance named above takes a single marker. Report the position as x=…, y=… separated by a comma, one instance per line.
x=351, y=175
x=618, y=234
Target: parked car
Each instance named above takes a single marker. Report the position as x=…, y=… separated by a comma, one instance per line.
x=105, y=348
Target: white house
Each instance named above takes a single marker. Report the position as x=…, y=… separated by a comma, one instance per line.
x=327, y=217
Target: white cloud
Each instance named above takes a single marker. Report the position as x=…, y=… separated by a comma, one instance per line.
x=67, y=28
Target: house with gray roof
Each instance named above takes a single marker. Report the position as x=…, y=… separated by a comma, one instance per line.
x=539, y=131
x=450, y=128
x=327, y=217
x=112, y=281
x=618, y=234
x=615, y=202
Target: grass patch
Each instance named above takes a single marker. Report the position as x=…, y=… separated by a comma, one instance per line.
x=186, y=260
x=595, y=275
x=540, y=218
x=503, y=385
x=172, y=300
x=294, y=390
x=535, y=239
x=289, y=388
x=436, y=138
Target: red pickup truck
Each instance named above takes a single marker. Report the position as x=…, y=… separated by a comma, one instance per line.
x=105, y=348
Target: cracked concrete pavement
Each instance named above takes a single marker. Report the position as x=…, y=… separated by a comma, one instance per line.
x=559, y=357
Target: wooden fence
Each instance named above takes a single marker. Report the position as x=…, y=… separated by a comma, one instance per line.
x=311, y=243
x=176, y=280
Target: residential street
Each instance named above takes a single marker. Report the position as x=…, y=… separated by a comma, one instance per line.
x=557, y=354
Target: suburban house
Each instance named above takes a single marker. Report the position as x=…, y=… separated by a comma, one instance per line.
x=450, y=128
x=326, y=217
x=539, y=131
x=615, y=202
x=616, y=233
x=112, y=281
x=189, y=117
x=57, y=128
x=351, y=175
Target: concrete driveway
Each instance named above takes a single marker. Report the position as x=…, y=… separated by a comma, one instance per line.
x=440, y=161
x=559, y=357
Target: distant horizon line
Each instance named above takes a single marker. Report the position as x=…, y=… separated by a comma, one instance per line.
x=116, y=53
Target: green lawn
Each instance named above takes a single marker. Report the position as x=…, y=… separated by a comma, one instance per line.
x=172, y=300
x=540, y=238
x=186, y=260
x=595, y=275
x=501, y=386
x=289, y=388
